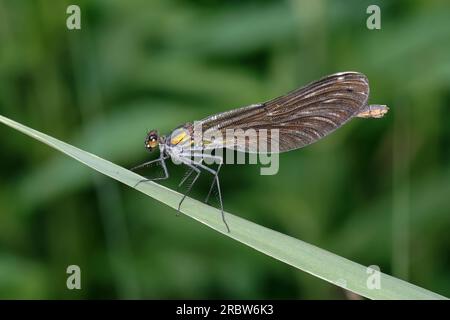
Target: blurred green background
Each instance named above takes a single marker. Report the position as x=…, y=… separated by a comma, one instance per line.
x=376, y=191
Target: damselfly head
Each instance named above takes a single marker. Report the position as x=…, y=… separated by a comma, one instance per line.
x=151, y=140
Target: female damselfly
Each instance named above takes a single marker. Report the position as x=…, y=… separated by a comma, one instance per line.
x=299, y=118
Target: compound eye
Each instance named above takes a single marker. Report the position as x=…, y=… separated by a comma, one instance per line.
x=152, y=143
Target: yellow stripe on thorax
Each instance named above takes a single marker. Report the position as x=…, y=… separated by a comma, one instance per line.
x=180, y=136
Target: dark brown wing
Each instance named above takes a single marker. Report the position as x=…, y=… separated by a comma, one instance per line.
x=302, y=116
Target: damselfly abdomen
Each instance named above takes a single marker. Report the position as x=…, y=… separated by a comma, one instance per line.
x=298, y=118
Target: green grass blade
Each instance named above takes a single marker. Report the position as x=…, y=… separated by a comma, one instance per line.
x=318, y=262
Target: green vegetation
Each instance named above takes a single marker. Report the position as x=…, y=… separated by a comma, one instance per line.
x=375, y=192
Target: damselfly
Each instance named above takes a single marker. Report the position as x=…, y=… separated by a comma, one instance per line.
x=300, y=118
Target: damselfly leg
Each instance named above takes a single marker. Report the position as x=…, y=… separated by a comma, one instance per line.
x=197, y=174
x=186, y=176
x=185, y=158
x=216, y=175
x=160, y=160
x=189, y=173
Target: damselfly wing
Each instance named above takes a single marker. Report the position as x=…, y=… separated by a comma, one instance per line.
x=299, y=118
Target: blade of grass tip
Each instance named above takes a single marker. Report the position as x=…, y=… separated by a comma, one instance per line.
x=318, y=262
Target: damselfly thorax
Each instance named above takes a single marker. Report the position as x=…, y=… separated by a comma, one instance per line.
x=299, y=118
